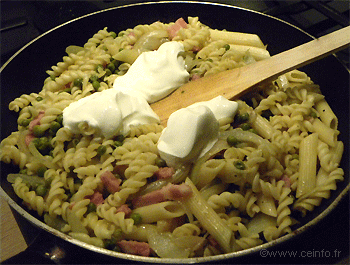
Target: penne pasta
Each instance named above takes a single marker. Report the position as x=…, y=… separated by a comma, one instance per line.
x=307, y=164
x=209, y=219
x=160, y=211
x=236, y=38
x=327, y=115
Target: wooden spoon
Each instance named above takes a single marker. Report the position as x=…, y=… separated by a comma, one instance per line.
x=234, y=83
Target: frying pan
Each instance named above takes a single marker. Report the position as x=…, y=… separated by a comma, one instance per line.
x=25, y=72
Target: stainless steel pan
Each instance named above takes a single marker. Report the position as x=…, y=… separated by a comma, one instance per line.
x=25, y=72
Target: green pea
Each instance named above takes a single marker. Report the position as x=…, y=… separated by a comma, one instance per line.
x=23, y=171
x=117, y=143
x=38, y=131
x=113, y=34
x=48, y=182
x=111, y=67
x=245, y=126
x=252, y=131
x=120, y=138
x=244, y=117
x=44, y=142
x=160, y=162
x=227, y=47
x=313, y=114
x=108, y=72
x=91, y=207
x=54, y=127
x=78, y=82
x=240, y=165
x=101, y=150
x=24, y=122
x=116, y=63
x=39, y=98
x=99, y=68
x=232, y=141
x=96, y=84
x=110, y=243
x=117, y=234
x=41, y=171
x=136, y=217
x=36, y=142
x=59, y=119
x=75, y=141
x=93, y=78
x=41, y=190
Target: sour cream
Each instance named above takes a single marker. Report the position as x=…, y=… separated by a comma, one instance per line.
x=192, y=131
x=107, y=113
x=156, y=74
x=151, y=77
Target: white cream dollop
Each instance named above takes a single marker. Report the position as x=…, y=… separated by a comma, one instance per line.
x=107, y=113
x=189, y=133
x=192, y=131
x=151, y=77
x=156, y=74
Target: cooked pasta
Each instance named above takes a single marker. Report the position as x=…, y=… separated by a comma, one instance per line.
x=283, y=154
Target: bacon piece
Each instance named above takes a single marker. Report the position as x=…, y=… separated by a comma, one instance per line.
x=286, y=180
x=195, y=77
x=96, y=198
x=125, y=209
x=135, y=247
x=196, y=49
x=111, y=183
x=120, y=169
x=29, y=137
x=169, y=192
x=212, y=241
x=36, y=121
x=173, y=29
x=164, y=172
x=71, y=205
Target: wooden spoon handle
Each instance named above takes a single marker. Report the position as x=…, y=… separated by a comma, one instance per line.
x=236, y=82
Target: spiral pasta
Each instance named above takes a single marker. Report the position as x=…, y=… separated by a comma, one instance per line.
x=239, y=194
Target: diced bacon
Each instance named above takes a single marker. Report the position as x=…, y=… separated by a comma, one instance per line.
x=286, y=180
x=212, y=241
x=196, y=49
x=135, y=247
x=164, y=172
x=173, y=29
x=195, y=77
x=111, y=183
x=125, y=209
x=68, y=85
x=169, y=192
x=96, y=198
x=120, y=169
x=36, y=121
x=29, y=137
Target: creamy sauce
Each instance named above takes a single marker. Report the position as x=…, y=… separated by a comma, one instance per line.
x=192, y=131
x=151, y=77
